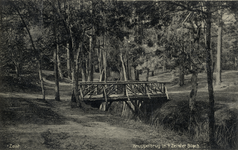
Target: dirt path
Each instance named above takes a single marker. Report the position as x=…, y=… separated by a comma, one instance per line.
x=56, y=125
x=30, y=123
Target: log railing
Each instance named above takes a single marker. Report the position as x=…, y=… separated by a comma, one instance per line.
x=121, y=88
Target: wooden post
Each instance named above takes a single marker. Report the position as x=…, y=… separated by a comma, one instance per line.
x=166, y=92
x=142, y=115
x=104, y=104
x=110, y=103
x=124, y=89
x=145, y=88
x=163, y=87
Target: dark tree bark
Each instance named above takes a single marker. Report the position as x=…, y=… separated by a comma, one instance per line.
x=128, y=69
x=83, y=69
x=193, y=93
x=100, y=66
x=56, y=72
x=153, y=73
x=73, y=54
x=210, y=77
x=90, y=66
x=181, y=75
x=18, y=68
x=68, y=61
x=192, y=100
x=137, y=75
x=147, y=74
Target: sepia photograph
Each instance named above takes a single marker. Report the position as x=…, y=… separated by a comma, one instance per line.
x=118, y=75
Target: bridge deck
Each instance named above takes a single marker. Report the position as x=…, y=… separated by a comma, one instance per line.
x=122, y=97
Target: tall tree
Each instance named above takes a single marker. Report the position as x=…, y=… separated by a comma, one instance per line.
x=210, y=74
x=219, y=48
x=56, y=69
x=205, y=8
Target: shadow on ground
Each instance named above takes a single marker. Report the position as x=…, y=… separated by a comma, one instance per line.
x=15, y=111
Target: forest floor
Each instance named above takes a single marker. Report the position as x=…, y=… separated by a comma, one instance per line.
x=27, y=122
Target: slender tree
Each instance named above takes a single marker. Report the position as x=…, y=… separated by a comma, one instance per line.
x=210, y=74
x=37, y=51
x=219, y=48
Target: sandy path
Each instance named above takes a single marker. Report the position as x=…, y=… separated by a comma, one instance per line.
x=55, y=125
x=84, y=130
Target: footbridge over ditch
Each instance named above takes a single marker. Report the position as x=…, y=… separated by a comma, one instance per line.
x=131, y=92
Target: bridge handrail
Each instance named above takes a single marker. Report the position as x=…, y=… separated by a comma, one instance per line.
x=122, y=82
x=122, y=87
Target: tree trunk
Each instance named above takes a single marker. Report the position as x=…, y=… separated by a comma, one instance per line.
x=235, y=63
x=128, y=70
x=39, y=57
x=74, y=90
x=123, y=67
x=41, y=79
x=147, y=74
x=100, y=66
x=125, y=79
x=105, y=64
x=18, y=63
x=59, y=63
x=219, y=51
x=181, y=75
x=17, y=69
x=76, y=76
x=73, y=54
x=193, y=93
x=56, y=72
x=137, y=75
x=90, y=66
x=83, y=71
x=153, y=73
x=210, y=77
x=164, y=63
x=68, y=61
x=133, y=75
x=121, y=74
x=192, y=100
x=75, y=95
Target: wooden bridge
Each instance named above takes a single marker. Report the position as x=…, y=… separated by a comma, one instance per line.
x=122, y=91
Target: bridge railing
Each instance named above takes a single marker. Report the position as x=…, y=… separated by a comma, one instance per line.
x=122, y=88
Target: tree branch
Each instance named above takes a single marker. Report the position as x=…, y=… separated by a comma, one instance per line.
x=187, y=8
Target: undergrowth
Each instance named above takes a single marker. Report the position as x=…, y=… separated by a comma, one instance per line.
x=174, y=115
x=27, y=83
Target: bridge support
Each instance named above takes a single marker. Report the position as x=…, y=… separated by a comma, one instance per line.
x=105, y=106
